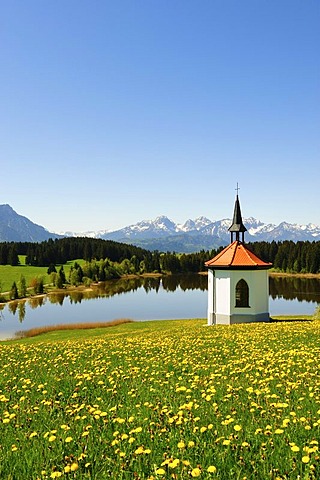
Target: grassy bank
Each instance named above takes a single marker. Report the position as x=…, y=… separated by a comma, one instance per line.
x=160, y=400
x=10, y=274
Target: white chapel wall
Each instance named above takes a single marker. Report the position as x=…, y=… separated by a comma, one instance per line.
x=222, y=293
x=257, y=281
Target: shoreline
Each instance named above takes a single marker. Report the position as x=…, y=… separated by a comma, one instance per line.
x=91, y=288
x=77, y=288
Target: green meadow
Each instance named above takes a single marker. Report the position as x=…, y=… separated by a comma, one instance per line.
x=162, y=400
x=10, y=274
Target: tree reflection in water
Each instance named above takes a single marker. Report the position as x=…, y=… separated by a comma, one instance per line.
x=57, y=297
x=295, y=288
x=22, y=310
x=36, y=302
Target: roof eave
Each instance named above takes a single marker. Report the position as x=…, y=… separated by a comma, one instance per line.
x=239, y=267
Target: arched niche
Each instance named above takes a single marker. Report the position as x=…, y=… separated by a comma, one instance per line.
x=242, y=294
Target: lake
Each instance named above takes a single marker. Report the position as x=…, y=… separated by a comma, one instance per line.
x=175, y=296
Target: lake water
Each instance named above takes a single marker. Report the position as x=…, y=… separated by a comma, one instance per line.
x=176, y=296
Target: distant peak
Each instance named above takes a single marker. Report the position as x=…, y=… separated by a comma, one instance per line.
x=6, y=206
x=161, y=218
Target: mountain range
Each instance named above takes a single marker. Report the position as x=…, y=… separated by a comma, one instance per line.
x=162, y=233
x=202, y=233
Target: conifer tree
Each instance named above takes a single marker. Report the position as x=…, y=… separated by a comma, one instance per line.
x=14, y=292
x=23, y=287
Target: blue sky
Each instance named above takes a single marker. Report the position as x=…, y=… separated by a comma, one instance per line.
x=116, y=111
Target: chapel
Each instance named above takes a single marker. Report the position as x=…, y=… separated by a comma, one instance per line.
x=238, y=283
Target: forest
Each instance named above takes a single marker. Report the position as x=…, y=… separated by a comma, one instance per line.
x=113, y=259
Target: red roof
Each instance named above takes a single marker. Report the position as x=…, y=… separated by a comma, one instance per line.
x=236, y=255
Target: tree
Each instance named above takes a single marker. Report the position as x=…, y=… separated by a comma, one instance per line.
x=58, y=281
x=62, y=275
x=75, y=276
x=14, y=292
x=51, y=269
x=13, y=258
x=38, y=285
x=23, y=287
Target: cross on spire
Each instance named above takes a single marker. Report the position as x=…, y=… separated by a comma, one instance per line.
x=238, y=188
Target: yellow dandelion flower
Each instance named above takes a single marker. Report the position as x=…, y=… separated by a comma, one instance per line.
x=67, y=469
x=160, y=471
x=33, y=434
x=139, y=450
x=56, y=474
x=52, y=438
x=196, y=472
x=226, y=442
x=237, y=428
x=174, y=463
x=278, y=431
x=191, y=443
x=68, y=439
x=74, y=467
x=211, y=469
x=305, y=459
x=181, y=444
x=295, y=448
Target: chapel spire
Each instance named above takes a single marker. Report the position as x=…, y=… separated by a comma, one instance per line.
x=237, y=224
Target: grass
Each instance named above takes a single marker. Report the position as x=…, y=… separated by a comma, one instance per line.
x=160, y=400
x=10, y=274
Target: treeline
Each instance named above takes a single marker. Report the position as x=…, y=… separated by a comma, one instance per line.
x=286, y=256
x=132, y=259
x=60, y=251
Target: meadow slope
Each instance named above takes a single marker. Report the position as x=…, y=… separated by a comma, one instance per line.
x=160, y=400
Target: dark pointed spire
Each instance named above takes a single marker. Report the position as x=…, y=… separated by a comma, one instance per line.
x=237, y=224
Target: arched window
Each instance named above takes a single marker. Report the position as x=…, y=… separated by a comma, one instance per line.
x=242, y=294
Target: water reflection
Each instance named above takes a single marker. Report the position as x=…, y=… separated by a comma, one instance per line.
x=288, y=288
x=295, y=288
x=57, y=298
x=13, y=306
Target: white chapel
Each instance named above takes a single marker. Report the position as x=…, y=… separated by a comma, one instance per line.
x=238, y=284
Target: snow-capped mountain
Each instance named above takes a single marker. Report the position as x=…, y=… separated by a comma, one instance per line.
x=193, y=235
x=196, y=224
x=162, y=233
